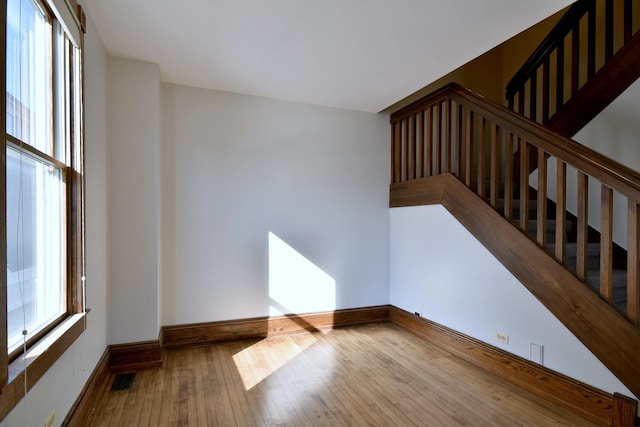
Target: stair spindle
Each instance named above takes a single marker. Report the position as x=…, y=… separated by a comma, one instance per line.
x=447, y=136
x=468, y=148
x=411, y=154
x=560, y=58
x=533, y=97
x=561, y=209
x=521, y=100
x=481, y=157
x=633, y=263
x=420, y=157
x=459, y=140
x=396, y=153
x=494, y=166
x=405, y=149
x=541, y=222
x=608, y=30
x=628, y=20
x=524, y=185
x=583, y=226
x=575, y=59
x=545, y=90
x=429, y=140
x=591, y=41
x=508, y=175
x=438, y=141
x=606, y=244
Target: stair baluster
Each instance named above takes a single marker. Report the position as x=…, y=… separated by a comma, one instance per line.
x=561, y=209
x=454, y=127
x=633, y=263
x=549, y=60
x=606, y=243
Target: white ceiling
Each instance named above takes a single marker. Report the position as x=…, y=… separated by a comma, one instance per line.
x=355, y=54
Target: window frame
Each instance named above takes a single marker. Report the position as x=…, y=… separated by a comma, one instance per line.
x=23, y=370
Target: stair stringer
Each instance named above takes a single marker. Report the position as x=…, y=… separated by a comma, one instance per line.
x=604, y=331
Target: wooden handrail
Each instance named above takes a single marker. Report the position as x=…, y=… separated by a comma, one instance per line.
x=550, y=42
x=455, y=130
x=581, y=54
x=608, y=171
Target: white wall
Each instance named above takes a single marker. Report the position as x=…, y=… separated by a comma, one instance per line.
x=615, y=132
x=440, y=270
x=235, y=168
x=134, y=199
x=58, y=389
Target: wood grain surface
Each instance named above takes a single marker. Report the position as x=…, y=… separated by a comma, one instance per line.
x=377, y=374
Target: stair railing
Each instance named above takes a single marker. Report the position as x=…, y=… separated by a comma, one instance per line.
x=456, y=131
x=539, y=89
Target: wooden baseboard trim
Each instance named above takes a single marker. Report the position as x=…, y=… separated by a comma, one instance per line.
x=138, y=355
x=597, y=324
x=261, y=327
x=582, y=399
x=84, y=405
x=149, y=354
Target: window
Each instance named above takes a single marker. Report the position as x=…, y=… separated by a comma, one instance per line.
x=43, y=188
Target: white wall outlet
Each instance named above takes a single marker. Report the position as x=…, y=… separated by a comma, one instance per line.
x=536, y=353
x=503, y=338
x=51, y=419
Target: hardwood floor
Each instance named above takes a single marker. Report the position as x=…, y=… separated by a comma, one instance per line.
x=376, y=375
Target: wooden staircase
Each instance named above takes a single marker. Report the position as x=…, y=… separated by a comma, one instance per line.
x=455, y=148
x=593, y=250
x=517, y=182
x=588, y=59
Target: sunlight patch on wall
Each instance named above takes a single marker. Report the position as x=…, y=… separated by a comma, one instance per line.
x=296, y=284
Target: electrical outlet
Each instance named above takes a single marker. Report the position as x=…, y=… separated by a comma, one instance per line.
x=503, y=338
x=51, y=419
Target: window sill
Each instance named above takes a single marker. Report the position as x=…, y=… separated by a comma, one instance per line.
x=38, y=360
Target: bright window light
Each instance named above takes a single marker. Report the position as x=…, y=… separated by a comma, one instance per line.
x=28, y=102
x=35, y=245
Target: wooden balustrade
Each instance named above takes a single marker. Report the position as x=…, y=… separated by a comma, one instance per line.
x=582, y=42
x=454, y=130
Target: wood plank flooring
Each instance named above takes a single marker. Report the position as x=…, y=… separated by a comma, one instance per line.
x=376, y=375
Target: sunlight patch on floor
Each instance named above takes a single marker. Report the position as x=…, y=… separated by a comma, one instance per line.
x=259, y=361
x=296, y=286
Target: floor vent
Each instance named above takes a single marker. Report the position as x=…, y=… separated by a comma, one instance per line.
x=123, y=382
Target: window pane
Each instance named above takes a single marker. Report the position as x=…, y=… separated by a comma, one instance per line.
x=60, y=89
x=35, y=245
x=28, y=97
x=76, y=78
